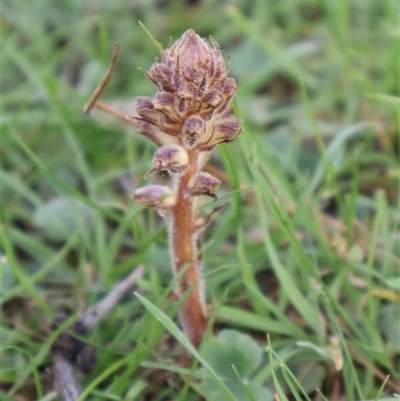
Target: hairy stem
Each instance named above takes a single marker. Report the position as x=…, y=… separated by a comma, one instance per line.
x=193, y=314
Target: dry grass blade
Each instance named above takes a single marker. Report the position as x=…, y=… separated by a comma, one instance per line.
x=377, y=372
x=103, y=83
x=69, y=351
x=115, y=113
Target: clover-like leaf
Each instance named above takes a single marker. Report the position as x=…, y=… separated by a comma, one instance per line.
x=232, y=348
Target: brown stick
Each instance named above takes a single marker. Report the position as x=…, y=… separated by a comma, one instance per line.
x=103, y=83
x=96, y=313
x=69, y=352
x=182, y=237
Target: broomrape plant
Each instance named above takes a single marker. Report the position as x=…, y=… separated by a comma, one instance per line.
x=188, y=116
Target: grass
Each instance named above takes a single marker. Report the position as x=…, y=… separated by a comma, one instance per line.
x=307, y=251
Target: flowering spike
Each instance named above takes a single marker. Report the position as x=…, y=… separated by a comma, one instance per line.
x=188, y=116
x=193, y=95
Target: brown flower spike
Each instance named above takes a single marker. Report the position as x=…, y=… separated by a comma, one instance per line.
x=188, y=116
x=191, y=106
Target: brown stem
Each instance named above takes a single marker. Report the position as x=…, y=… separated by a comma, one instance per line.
x=182, y=236
x=115, y=113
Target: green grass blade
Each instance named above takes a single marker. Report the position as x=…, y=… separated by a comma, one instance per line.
x=284, y=61
x=156, y=44
x=44, y=350
x=378, y=396
x=248, y=278
x=33, y=367
x=278, y=386
x=349, y=360
x=244, y=387
x=174, y=330
x=19, y=273
x=48, y=85
x=59, y=184
x=230, y=167
x=293, y=390
x=252, y=321
x=265, y=302
x=45, y=269
x=298, y=300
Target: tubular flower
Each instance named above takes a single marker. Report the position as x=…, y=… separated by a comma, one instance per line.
x=203, y=184
x=172, y=158
x=156, y=196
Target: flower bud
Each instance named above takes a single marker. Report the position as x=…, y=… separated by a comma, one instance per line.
x=172, y=158
x=203, y=184
x=190, y=54
x=155, y=196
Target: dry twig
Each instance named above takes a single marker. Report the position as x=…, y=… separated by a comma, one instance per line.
x=103, y=83
x=67, y=384
x=69, y=351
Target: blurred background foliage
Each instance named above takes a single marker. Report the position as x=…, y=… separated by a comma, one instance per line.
x=319, y=92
